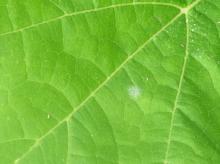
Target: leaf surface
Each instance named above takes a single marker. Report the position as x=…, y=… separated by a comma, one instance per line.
x=109, y=82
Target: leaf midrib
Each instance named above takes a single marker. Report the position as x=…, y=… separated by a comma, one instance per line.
x=37, y=141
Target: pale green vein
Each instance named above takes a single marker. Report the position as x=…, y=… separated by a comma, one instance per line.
x=99, y=87
x=89, y=11
x=185, y=11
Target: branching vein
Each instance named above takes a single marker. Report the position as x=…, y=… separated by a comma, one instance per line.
x=184, y=11
x=90, y=11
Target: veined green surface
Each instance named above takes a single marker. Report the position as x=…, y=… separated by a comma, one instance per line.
x=109, y=82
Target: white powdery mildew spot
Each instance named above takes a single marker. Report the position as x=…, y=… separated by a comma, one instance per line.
x=134, y=92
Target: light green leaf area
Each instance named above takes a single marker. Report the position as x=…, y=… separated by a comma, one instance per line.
x=109, y=81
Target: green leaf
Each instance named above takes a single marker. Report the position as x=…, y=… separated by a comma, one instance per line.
x=109, y=81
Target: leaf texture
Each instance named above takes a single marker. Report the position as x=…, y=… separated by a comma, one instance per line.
x=109, y=82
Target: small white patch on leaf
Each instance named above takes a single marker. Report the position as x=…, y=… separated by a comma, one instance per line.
x=134, y=92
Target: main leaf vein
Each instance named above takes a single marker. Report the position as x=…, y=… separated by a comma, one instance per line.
x=185, y=11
